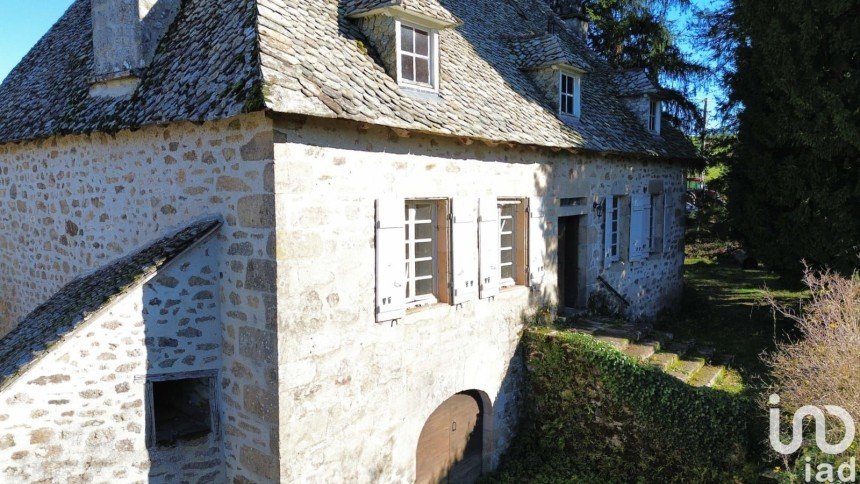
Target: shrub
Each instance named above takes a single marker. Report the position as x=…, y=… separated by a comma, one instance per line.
x=820, y=368
x=594, y=414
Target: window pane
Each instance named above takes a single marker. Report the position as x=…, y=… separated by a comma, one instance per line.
x=507, y=256
x=508, y=272
x=424, y=211
x=507, y=240
x=424, y=287
x=422, y=42
x=407, y=39
x=407, y=70
x=570, y=85
x=424, y=231
x=424, y=249
x=424, y=268
x=422, y=71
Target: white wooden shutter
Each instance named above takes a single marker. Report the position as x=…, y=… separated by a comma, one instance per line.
x=390, y=259
x=668, y=221
x=607, y=233
x=640, y=217
x=488, y=238
x=537, y=242
x=464, y=248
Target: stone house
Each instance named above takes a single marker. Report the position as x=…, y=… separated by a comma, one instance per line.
x=296, y=240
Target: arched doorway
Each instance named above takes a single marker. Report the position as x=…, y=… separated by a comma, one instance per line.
x=451, y=445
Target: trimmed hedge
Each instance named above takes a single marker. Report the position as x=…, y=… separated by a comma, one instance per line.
x=593, y=414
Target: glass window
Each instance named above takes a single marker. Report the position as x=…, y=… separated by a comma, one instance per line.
x=420, y=252
x=507, y=242
x=569, y=101
x=416, y=55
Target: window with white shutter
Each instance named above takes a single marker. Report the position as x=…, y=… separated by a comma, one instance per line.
x=640, y=226
x=488, y=238
x=537, y=241
x=390, y=276
x=464, y=249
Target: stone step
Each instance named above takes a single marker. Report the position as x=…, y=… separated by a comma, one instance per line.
x=619, y=343
x=707, y=376
x=682, y=348
x=685, y=369
x=641, y=351
x=662, y=336
x=662, y=360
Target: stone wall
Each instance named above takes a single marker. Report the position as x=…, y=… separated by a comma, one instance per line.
x=344, y=379
x=71, y=204
x=78, y=415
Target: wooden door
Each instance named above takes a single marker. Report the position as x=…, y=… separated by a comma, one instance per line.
x=450, y=448
x=568, y=263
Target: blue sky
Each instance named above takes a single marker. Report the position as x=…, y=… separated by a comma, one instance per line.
x=23, y=22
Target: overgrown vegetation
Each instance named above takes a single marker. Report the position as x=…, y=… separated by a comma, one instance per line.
x=820, y=367
x=593, y=414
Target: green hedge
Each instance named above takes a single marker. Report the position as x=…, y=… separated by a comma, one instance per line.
x=593, y=414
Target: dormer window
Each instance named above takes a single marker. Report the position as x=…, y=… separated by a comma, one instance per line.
x=655, y=112
x=570, y=93
x=417, y=56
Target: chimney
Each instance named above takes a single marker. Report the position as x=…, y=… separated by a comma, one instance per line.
x=126, y=34
x=572, y=12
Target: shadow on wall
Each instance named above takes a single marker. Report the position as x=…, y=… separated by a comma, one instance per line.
x=181, y=317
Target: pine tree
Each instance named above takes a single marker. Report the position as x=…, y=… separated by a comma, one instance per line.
x=795, y=178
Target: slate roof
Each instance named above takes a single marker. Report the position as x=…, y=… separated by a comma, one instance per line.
x=430, y=8
x=634, y=82
x=75, y=303
x=223, y=57
x=535, y=52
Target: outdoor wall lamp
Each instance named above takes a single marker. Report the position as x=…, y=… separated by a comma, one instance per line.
x=599, y=208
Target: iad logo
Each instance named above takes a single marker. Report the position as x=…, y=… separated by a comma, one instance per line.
x=848, y=471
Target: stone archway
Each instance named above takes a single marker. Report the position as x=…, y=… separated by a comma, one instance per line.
x=451, y=446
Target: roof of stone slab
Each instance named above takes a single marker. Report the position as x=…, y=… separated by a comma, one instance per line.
x=206, y=67
x=430, y=8
x=546, y=50
x=633, y=82
x=86, y=296
x=224, y=57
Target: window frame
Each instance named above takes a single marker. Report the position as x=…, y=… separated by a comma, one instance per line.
x=655, y=114
x=149, y=400
x=613, y=221
x=575, y=97
x=413, y=299
x=432, y=56
x=515, y=248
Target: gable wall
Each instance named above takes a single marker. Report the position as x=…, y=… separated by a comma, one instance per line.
x=78, y=414
x=355, y=394
x=69, y=205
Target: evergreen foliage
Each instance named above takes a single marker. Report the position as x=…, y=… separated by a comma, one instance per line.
x=795, y=178
x=638, y=34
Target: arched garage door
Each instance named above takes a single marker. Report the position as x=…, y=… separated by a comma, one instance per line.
x=450, y=448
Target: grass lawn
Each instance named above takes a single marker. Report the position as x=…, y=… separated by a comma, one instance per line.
x=723, y=308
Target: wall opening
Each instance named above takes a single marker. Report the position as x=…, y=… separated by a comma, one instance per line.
x=180, y=409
